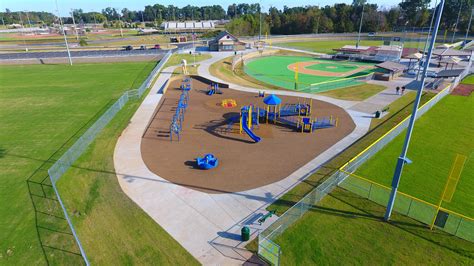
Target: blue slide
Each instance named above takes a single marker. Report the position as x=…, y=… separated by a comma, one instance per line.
x=247, y=129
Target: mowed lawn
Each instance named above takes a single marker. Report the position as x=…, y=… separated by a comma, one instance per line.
x=443, y=132
x=41, y=108
x=345, y=229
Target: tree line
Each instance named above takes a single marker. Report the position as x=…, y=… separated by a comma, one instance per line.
x=245, y=18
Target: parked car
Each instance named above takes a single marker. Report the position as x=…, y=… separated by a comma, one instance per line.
x=128, y=48
x=143, y=47
x=371, y=34
x=157, y=46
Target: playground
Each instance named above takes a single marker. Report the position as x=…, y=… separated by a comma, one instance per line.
x=244, y=140
x=305, y=72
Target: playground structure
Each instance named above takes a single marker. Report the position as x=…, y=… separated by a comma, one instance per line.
x=214, y=89
x=297, y=116
x=229, y=103
x=240, y=165
x=209, y=161
x=176, y=125
x=184, y=66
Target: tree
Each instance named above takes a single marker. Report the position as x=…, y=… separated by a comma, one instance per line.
x=414, y=11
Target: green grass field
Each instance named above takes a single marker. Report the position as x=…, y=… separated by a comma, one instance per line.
x=355, y=93
x=44, y=108
x=345, y=229
x=274, y=70
x=443, y=132
x=468, y=80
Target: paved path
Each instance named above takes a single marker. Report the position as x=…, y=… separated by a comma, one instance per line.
x=383, y=98
x=208, y=225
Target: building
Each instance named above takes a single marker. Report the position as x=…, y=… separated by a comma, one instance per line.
x=370, y=53
x=225, y=41
x=388, y=70
x=188, y=26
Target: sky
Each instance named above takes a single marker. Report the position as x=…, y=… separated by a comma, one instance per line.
x=97, y=5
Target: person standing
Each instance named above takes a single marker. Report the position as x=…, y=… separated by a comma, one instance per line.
x=397, y=89
x=403, y=90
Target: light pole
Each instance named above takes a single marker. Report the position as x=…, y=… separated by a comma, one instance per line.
x=23, y=31
x=402, y=160
x=64, y=33
x=457, y=21
x=360, y=26
x=74, y=23
x=467, y=30
x=260, y=24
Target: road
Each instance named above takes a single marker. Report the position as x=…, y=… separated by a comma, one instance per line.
x=89, y=53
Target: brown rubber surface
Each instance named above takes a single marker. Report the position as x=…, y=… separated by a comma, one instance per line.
x=463, y=90
x=243, y=164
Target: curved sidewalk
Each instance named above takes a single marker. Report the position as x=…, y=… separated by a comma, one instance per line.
x=208, y=225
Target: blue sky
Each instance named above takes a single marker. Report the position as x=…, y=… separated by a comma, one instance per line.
x=97, y=5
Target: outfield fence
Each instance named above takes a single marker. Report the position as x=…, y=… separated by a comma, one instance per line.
x=453, y=223
x=80, y=146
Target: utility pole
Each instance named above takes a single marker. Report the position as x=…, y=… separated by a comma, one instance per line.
x=120, y=23
x=260, y=24
x=360, y=26
x=467, y=30
x=457, y=21
x=64, y=33
x=28, y=18
x=402, y=160
x=74, y=23
x=22, y=31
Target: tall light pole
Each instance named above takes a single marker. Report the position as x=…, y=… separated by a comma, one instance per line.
x=457, y=21
x=402, y=160
x=64, y=33
x=28, y=18
x=467, y=30
x=260, y=24
x=74, y=23
x=360, y=26
x=23, y=31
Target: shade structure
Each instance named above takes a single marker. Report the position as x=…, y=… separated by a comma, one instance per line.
x=272, y=99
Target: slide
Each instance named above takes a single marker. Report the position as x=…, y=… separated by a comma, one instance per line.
x=247, y=129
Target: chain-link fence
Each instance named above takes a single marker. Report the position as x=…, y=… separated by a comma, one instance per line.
x=77, y=149
x=425, y=212
x=267, y=248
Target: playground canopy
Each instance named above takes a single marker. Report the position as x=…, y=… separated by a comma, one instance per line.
x=272, y=99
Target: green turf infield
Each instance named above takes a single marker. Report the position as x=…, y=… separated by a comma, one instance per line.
x=274, y=70
x=442, y=133
x=332, y=67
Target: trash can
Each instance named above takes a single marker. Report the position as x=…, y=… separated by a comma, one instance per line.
x=245, y=233
x=377, y=114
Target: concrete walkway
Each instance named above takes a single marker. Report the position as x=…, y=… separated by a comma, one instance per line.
x=383, y=98
x=208, y=225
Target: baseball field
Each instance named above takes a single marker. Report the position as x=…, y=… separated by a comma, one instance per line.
x=307, y=73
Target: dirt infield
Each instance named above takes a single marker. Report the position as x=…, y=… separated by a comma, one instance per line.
x=463, y=90
x=302, y=68
x=243, y=164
